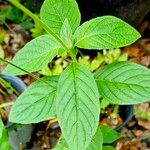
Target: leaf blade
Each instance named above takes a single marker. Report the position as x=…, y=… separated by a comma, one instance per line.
x=4, y=142
x=104, y=33
x=109, y=134
x=66, y=34
x=74, y=84
x=35, y=55
x=97, y=141
x=36, y=103
x=53, y=13
x=124, y=83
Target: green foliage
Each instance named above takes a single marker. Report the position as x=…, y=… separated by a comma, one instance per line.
x=1, y=52
x=109, y=134
x=66, y=34
x=35, y=55
x=27, y=25
x=11, y=13
x=105, y=33
x=94, y=64
x=126, y=83
x=4, y=142
x=61, y=144
x=97, y=141
x=54, y=12
x=15, y=15
x=114, y=55
x=2, y=35
x=77, y=99
x=37, y=30
x=37, y=102
x=77, y=111
x=141, y=114
x=104, y=103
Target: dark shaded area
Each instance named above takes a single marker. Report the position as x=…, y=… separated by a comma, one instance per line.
x=131, y=11
x=33, y=5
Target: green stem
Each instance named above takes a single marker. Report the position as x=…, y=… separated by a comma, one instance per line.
x=116, y=109
x=8, y=62
x=6, y=104
x=30, y=74
x=115, y=112
x=44, y=26
x=7, y=86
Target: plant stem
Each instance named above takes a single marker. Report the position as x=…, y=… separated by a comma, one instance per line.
x=8, y=62
x=7, y=86
x=43, y=25
x=30, y=74
x=115, y=112
x=6, y=104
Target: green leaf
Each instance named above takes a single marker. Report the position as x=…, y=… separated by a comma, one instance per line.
x=108, y=148
x=105, y=33
x=54, y=12
x=77, y=106
x=36, y=103
x=124, y=83
x=97, y=141
x=35, y=55
x=15, y=15
x=61, y=144
x=37, y=30
x=104, y=103
x=66, y=34
x=109, y=134
x=4, y=142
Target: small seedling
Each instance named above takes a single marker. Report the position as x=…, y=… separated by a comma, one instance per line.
x=73, y=97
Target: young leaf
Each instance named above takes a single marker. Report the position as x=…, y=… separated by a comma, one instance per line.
x=35, y=55
x=4, y=142
x=109, y=134
x=77, y=106
x=105, y=33
x=97, y=141
x=66, y=34
x=54, y=12
x=37, y=103
x=124, y=83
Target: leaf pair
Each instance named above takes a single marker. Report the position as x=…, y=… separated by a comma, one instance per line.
x=63, y=18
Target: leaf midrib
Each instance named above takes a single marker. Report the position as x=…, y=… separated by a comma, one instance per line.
x=96, y=34
x=118, y=82
x=76, y=98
